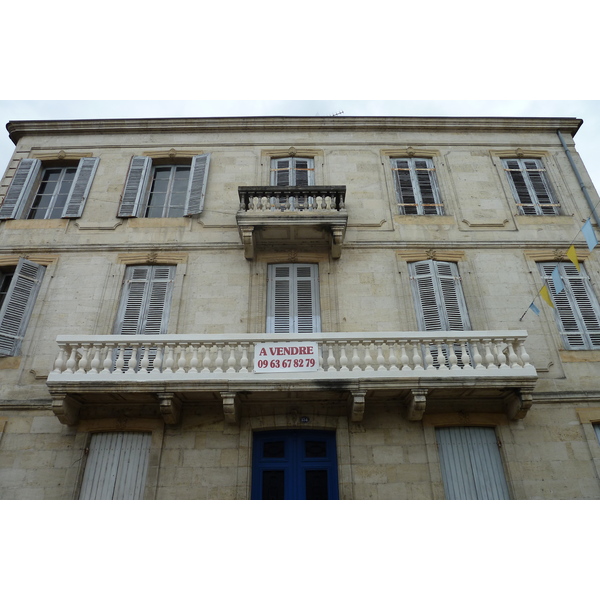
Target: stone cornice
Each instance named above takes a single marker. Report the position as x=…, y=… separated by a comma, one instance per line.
x=19, y=129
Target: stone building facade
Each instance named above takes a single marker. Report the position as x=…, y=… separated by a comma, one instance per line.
x=298, y=307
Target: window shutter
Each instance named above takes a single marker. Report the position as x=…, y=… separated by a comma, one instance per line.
x=577, y=309
x=20, y=188
x=80, y=188
x=404, y=187
x=293, y=301
x=135, y=186
x=427, y=187
x=116, y=467
x=18, y=305
x=530, y=186
x=197, y=185
x=438, y=296
x=145, y=302
x=597, y=430
x=471, y=464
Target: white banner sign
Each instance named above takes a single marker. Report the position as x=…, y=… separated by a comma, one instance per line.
x=285, y=357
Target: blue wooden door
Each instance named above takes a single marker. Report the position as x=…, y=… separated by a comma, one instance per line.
x=294, y=464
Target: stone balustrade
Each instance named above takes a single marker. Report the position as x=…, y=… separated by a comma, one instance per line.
x=341, y=355
x=292, y=199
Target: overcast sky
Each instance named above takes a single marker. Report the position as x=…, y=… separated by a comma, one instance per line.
x=587, y=139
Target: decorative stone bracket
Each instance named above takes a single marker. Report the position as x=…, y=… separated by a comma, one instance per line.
x=357, y=408
x=231, y=407
x=66, y=409
x=416, y=404
x=170, y=408
x=518, y=407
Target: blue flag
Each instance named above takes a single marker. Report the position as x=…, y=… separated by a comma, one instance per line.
x=559, y=286
x=590, y=236
x=534, y=308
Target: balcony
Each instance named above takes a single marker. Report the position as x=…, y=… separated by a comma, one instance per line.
x=108, y=375
x=289, y=217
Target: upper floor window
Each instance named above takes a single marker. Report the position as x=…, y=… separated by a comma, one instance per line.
x=51, y=192
x=19, y=288
x=416, y=185
x=577, y=309
x=530, y=186
x=162, y=190
x=292, y=170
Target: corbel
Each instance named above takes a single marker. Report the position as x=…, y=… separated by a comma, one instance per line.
x=416, y=404
x=357, y=409
x=519, y=406
x=66, y=409
x=247, y=236
x=170, y=408
x=231, y=407
x=337, y=233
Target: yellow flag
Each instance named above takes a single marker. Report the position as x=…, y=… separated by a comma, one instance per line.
x=572, y=256
x=545, y=294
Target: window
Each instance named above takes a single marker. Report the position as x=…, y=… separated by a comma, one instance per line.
x=416, y=186
x=18, y=291
x=530, y=186
x=60, y=191
x=597, y=430
x=293, y=299
x=292, y=171
x=577, y=310
x=116, y=467
x=294, y=465
x=471, y=464
x=164, y=190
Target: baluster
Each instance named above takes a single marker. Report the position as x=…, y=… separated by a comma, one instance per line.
x=219, y=359
x=310, y=203
x=321, y=357
x=499, y=356
x=108, y=358
x=145, y=360
x=72, y=360
x=169, y=358
x=83, y=361
x=330, y=357
x=523, y=354
x=368, y=359
x=95, y=363
x=244, y=360
x=194, y=360
x=343, y=357
x=452, y=358
x=380, y=358
x=428, y=355
x=440, y=356
x=182, y=362
x=206, y=360
x=392, y=358
x=513, y=359
x=489, y=357
x=465, y=358
x=404, y=357
x=60, y=359
x=231, y=361
x=120, y=362
x=355, y=357
x=132, y=364
x=417, y=360
x=158, y=359
x=477, y=358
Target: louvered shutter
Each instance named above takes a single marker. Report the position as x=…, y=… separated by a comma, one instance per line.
x=404, y=187
x=540, y=186
x=135, y=186
x=293, y=302
x=197, y=186
x=530, y=186
x=80, y=188
x=20, y=188
x=117, y=466
x=471, y=464
x=438, y=296
x=427, y=186
x=577, y=310
x=416, y=186
x=18, y=305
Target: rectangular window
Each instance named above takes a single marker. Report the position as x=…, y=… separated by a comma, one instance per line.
x=116, y=467
x=416, y=186
x=530, y=186
x=48, y=193
x=18, y=292
x=164, y=190
x=577, y=311
x=293, y=299
x=471, y=464
x=294, y=171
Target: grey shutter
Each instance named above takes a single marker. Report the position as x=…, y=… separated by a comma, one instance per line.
x=197, y=185
x=597, y=430
x=530, y=186
x=293, y=299
x=404, y=187
x=577, y=310
x=146, y=300
x=135, y=186
x=18, y=305
x=117, y=465
x=20, y=188
x=471, y=464
x=438, y=296
x=427, y=187
x=80, y=188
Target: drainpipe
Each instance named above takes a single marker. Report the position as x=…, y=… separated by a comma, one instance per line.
x=581, y=184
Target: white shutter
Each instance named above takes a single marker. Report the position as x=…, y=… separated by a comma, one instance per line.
x=20, y=188
x=80, y=187
x=530, y=186
x=293, y=299
x=416, y=186
x=135, y=186
x=116, y=467
x=471, y=464
x=577, y=310
x=18, y=305
x=197, y=186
